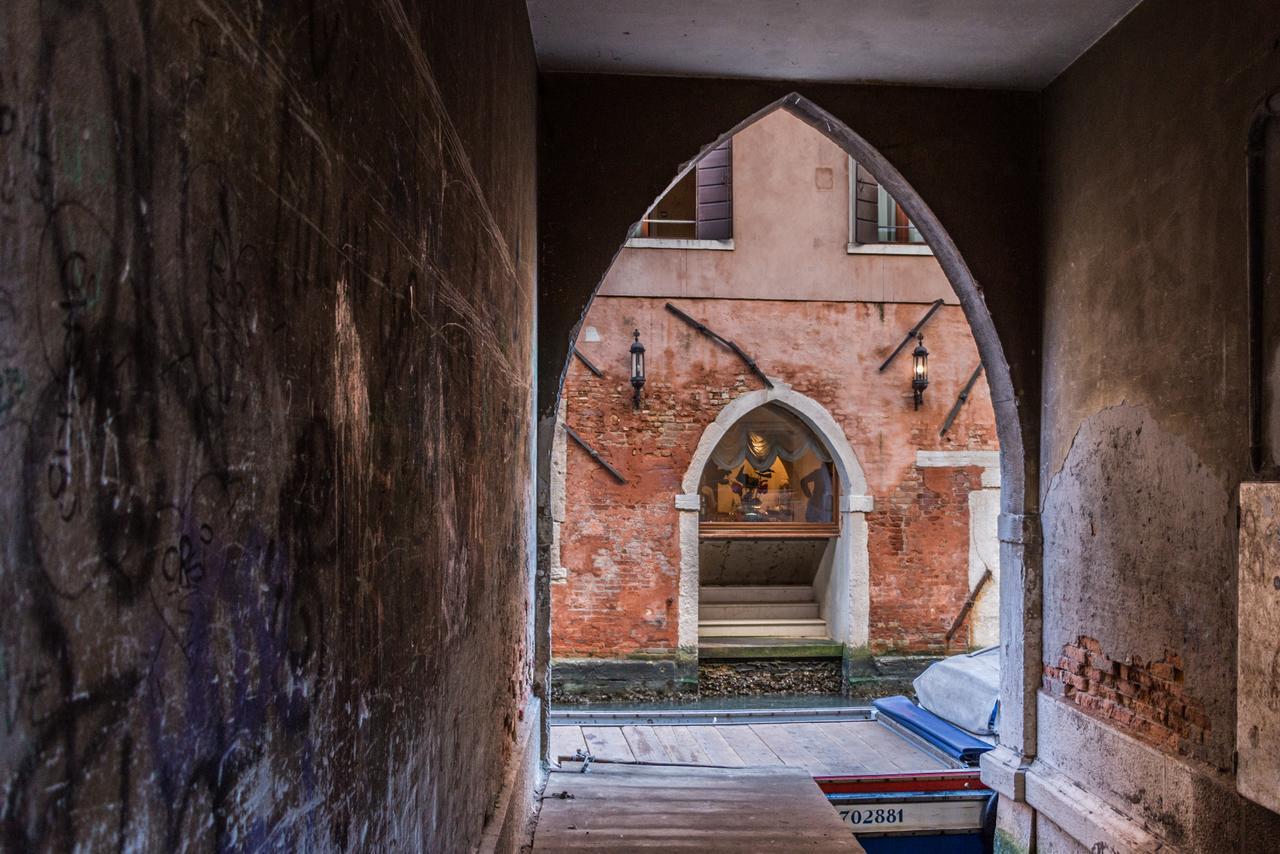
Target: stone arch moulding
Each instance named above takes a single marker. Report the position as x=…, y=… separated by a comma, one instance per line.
x=1021, y=593
x=846, y=602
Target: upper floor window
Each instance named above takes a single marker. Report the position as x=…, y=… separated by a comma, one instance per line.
x=699, y=206
x=770, y=476
x=875, y=217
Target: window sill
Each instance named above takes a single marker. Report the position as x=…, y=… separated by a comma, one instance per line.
x=768, y=530
x=677, y=243
x=889, y=249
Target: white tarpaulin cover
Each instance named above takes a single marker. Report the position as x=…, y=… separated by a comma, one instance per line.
x=963, y=689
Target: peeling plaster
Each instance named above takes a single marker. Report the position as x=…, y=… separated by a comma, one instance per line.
x=1138, y=553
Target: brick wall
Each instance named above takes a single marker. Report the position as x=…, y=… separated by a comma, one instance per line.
x=918, y=540
x=619, y=542
x=1146, y=699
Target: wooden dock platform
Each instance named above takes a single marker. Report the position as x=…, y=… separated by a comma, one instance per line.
x=642, y=809
x=822, y=748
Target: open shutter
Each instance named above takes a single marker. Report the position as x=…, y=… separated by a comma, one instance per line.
x=866, y=194
x=715, y=193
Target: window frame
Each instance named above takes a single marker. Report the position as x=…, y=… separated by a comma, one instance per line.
x=779, y=530
x=856, y=247
x=637, y=241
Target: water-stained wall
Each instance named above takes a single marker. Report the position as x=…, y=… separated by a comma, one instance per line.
x=1146, y=427
x=266, y=298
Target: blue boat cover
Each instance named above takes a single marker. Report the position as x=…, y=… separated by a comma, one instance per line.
x=948, y=738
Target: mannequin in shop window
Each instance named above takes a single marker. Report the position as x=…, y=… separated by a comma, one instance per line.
x=816, y=487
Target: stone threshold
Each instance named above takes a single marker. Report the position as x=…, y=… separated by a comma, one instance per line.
x=722, y=649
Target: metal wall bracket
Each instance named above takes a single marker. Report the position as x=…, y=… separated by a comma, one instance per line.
x=960, y=401
x=590, y=367
x=701, y=327
x=591, y=452
x=915, y=330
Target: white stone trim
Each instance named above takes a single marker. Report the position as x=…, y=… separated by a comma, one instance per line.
x=1004, y=773
x=559, y=504
x=808, y=410
x=984, y=554
x=845, y=604
x=677, y=243
x=888, y=249
x=857, y=503
x=1085, y=817
x=689, y=501
x=687, y=604
x=988, y=461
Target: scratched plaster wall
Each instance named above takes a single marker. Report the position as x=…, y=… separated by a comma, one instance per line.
x=265, y=373
x=1145, y=389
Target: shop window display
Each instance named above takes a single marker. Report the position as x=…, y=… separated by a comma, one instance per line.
x=769, y=475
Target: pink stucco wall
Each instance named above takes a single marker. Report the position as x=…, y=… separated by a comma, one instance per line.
x=790, y=234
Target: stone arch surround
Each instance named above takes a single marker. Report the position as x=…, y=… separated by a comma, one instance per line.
x=846, y=601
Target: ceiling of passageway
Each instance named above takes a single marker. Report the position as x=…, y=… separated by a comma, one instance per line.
x=1020, y=44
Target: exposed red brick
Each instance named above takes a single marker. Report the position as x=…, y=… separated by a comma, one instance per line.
x=1146, y=700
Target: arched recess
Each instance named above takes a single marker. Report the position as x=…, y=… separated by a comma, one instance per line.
x=847, y=601
x=1019, y=532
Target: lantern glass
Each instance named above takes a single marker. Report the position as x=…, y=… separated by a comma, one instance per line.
x=919, y=371
x=920, y=364
x=637, y=359
x=637, y=368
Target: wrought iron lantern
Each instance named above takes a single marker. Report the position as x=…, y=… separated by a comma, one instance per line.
x=637, y=368
x=919, y=370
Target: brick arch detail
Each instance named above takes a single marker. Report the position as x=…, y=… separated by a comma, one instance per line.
x=845, y=600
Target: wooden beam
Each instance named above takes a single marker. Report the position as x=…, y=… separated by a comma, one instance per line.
x=960, y=401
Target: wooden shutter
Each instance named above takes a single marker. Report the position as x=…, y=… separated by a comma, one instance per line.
x=866, y=194
x=715, y=193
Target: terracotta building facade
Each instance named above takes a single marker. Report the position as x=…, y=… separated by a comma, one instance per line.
x=796, y=498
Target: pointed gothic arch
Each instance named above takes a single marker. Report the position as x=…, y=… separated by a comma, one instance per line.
x=1020, y=542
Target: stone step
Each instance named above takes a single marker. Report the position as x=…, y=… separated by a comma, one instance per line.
x=757, y=611
x=714, y=649
x=800, y=628
x=775, y=593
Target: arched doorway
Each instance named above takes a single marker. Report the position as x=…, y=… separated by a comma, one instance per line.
x=819, y=495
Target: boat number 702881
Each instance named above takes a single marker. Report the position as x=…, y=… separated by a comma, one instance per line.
x=872, y=815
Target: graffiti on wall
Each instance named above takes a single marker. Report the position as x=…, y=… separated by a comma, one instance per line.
x=254, y=316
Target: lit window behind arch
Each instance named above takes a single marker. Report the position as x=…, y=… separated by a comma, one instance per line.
x=770, y=474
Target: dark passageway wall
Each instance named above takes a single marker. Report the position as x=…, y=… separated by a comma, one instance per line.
x=1146, y=413
x=266, y=312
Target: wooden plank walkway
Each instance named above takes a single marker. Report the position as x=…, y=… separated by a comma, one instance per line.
x=642, y=809
x=828, y=748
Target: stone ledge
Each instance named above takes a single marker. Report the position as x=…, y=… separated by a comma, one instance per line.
x=1004, y=772
x=1086, y=818
x=639, y=677
x=732, y=648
